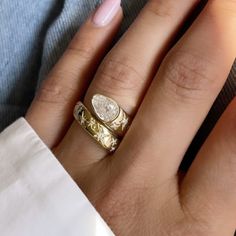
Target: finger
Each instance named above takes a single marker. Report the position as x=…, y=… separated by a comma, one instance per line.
x=51, y=111
x=185, y=88
x=208, y=189
x=126, y=72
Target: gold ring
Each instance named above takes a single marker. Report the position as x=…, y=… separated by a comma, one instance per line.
x=96, y=129
x=110, y=114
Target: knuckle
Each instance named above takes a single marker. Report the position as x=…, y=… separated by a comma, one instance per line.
x=219, y=7
x=54, y=92
x=81, y=48
x=161, y=8
x=118, y=76
x=186, y=77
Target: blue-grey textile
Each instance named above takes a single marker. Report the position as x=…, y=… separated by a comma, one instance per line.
x=34, y=34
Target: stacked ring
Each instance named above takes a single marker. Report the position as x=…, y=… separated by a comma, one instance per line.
x=94, y=128
x=110, y=124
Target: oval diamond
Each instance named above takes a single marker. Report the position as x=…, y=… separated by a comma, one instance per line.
x=105, y=108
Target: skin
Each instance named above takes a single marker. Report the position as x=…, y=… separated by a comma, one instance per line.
x=168, y=91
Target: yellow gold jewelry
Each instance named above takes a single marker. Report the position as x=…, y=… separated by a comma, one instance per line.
x=97, y=130
x=110, y=114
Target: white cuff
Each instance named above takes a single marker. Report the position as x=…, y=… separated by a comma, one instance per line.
x=37, y=196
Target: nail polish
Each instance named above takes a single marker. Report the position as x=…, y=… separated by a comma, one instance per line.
x=106, y=12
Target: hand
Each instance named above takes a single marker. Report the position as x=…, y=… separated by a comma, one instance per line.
x=168, y=93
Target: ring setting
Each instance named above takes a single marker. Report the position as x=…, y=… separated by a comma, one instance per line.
x=110, y=114
x=108, y=124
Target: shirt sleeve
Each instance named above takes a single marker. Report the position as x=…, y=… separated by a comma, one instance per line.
x=37, y=196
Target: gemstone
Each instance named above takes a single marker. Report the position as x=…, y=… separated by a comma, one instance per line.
x=105, y=108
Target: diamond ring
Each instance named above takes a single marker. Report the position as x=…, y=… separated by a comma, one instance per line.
x=110, y=114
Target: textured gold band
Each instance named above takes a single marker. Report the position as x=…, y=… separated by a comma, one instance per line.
x=96, y=129
x=110, y=114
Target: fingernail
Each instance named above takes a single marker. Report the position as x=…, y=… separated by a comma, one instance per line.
x=106, y=12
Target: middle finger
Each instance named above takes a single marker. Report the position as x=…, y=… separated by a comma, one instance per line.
x=186, y=85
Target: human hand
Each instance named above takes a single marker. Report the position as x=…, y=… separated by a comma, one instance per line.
x=138, y=189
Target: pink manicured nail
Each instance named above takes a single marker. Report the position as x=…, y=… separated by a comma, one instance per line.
x=106, y=12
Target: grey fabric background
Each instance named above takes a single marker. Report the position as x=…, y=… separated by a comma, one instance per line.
x=34, y=34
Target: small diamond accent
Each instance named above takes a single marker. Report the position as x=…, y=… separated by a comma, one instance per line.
x=105, y=108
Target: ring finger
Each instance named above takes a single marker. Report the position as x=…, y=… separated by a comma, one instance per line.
x=128, y=69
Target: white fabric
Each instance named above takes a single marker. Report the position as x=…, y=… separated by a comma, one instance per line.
x=37, y=196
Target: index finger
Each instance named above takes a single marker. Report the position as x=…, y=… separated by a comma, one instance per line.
x=51, y=112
